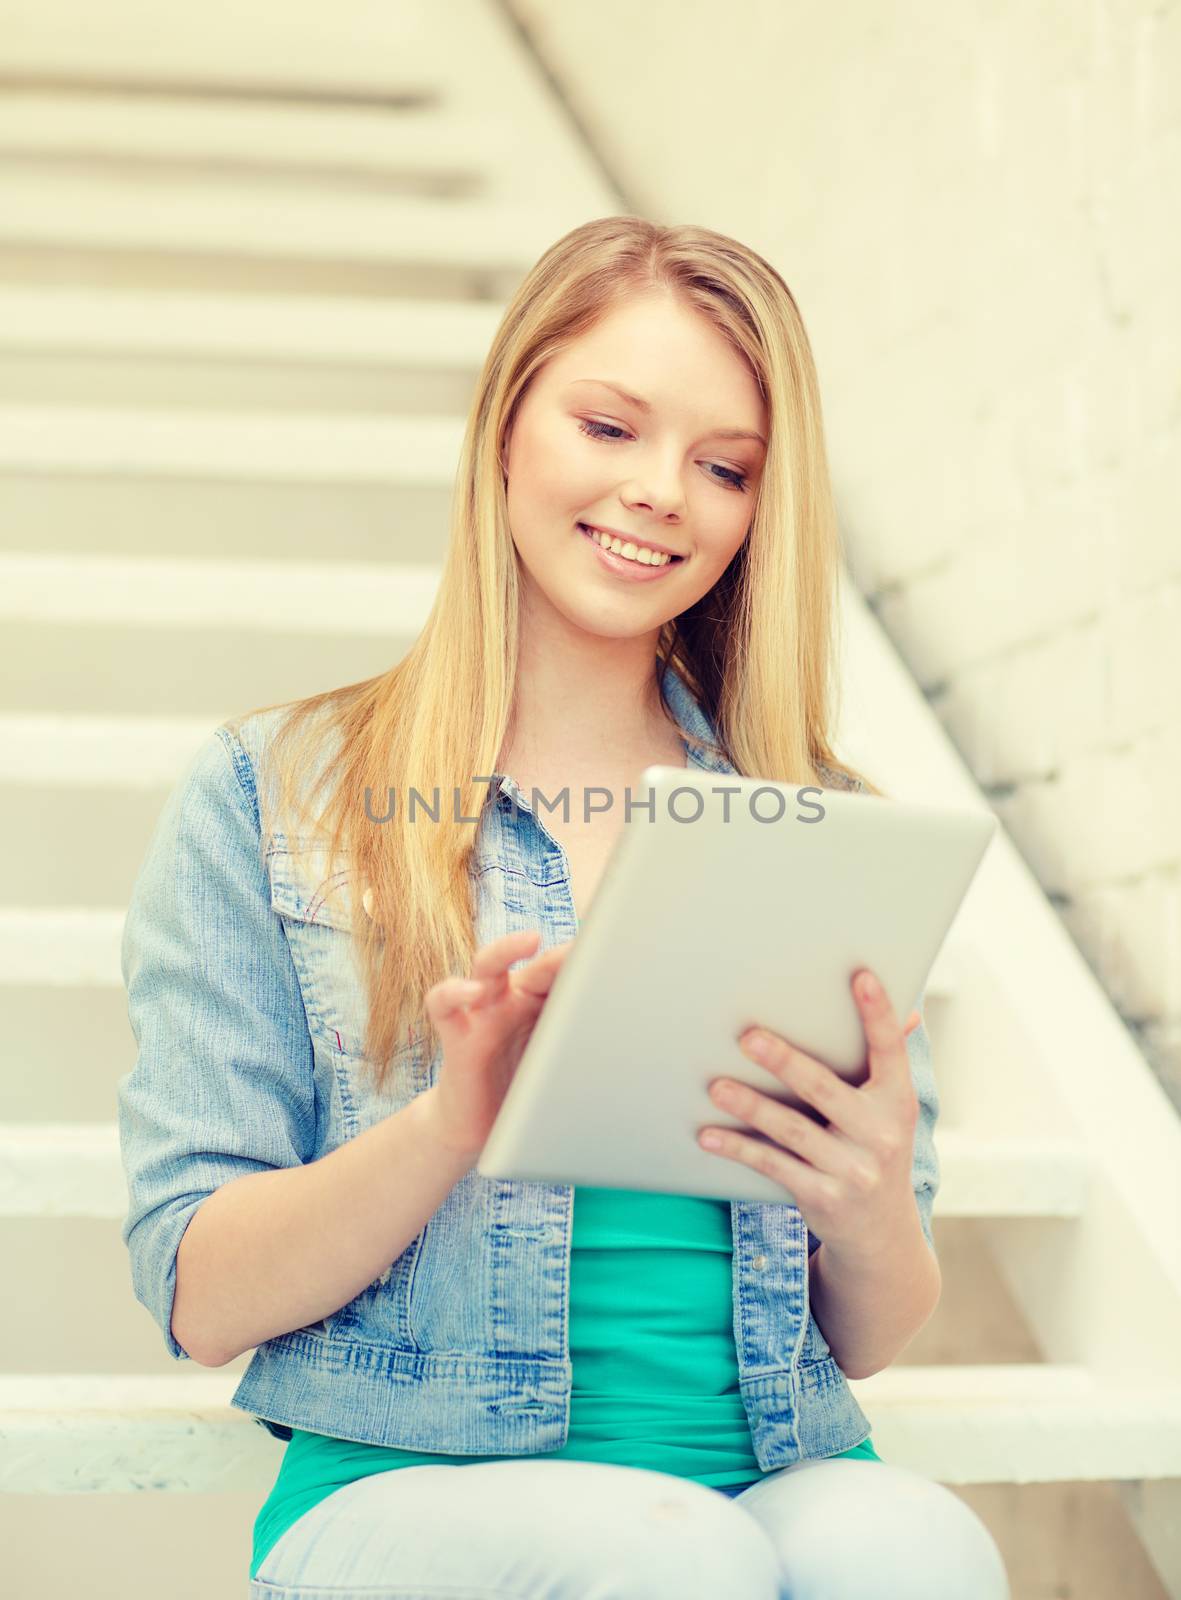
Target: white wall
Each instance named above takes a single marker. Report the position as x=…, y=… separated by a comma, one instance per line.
x=976, y=208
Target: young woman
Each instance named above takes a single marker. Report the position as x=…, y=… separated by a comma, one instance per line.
x=502, y=1388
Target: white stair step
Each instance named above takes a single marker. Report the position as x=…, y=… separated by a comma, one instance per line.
x=64, y=1169
x=1000, y=1424
x=66, y=947
x=359, y=48
x=1018, y=1175
x=73, y=1169
x=190, y=216
x=308, y=328
x=94, y=669
x=222, y=518
x=336, y=141
x=260, y=596
x=1031, y=1423
x=266, y=485
x=99, y=752
x=94, y=634
x=245, y=446
x=118, y=770
x=233, y=353
x=74, y=1434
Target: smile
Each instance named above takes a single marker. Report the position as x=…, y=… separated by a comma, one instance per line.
x=626, y=555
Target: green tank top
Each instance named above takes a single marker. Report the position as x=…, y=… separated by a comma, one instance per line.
x=651, y=1346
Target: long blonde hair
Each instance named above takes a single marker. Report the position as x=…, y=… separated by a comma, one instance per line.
x=755, y=650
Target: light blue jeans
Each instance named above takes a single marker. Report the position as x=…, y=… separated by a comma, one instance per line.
x=532, y=1529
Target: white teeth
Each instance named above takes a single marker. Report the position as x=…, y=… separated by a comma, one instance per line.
x=629, y=551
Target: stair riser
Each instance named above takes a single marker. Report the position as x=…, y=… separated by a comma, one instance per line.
x=58, y=864
x=72, y=1044
x=246, y=521
x=175, y=383
x=28, y=261
x=163, y=671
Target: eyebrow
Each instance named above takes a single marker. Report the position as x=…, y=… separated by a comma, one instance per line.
x=645, y=406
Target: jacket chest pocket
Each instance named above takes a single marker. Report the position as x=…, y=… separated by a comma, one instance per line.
x=314, y=907
x=317, y=907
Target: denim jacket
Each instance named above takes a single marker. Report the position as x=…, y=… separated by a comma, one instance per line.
x=248, y=1013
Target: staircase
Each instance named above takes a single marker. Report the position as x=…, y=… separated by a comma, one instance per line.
x=244, y=295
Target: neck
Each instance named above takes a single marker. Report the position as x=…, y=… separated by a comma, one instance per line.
x=581, y=697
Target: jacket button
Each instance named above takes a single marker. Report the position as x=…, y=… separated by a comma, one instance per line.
x=759, y=1263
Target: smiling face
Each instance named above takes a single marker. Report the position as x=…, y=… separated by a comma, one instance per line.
x=661, y=468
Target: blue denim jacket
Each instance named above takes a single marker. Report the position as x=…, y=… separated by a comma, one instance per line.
x=248, y=1013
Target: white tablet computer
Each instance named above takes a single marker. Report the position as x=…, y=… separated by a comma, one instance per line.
x=727, y=902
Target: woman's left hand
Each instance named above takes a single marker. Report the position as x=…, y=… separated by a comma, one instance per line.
x=849, y=1178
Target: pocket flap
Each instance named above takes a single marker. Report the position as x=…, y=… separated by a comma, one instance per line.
x=303, y=888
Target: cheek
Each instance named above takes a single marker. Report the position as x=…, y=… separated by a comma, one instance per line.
x=723, y=537
x=552, y=473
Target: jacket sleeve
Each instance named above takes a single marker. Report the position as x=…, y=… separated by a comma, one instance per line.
x=223, y=1082
x=924, y=1172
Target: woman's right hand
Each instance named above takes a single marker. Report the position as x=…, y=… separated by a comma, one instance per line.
x=484, y=1023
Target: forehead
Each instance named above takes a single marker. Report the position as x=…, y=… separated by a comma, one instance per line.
x=651, y=331
x=662, y=358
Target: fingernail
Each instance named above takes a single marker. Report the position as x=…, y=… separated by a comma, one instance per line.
x=868, y=985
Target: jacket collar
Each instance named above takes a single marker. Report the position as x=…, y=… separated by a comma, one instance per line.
x=692, y=720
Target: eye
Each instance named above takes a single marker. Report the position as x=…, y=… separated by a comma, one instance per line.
x=735, y=480
x=598, y=430
x=601, y=430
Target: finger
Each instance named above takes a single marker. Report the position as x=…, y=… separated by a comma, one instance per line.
x=912, y=1023
x=490, y=968
x=792, y=1130
x=547, y=961
x=448, y=999
x=888, y=1060
x=555, y=953
x=807, y=1186
x=810, y=1080
x=492, y=961
x=497, y=956
x=538, y=978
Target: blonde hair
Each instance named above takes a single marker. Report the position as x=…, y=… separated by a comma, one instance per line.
x=755, y=650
